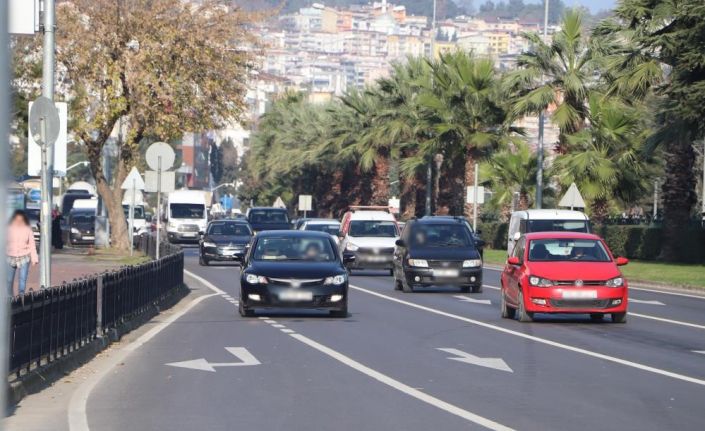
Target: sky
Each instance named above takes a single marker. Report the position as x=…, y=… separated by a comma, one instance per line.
x=593, y=5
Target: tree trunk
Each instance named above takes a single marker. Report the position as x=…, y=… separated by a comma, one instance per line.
x=380, y=180
x=599, y=209
x=470, y=160
x=452, y=187
x=678, y=193
x=523, y=203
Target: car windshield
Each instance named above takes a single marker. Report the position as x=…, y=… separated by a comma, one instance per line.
x=187, y=210
x=83, y=219
x=229, y=229
x=566, y=250
x=332, y=228
x=139, y=211
x=294, y=249
x=440, y=235
x=373, y=228
x=558, y=226
x=268, y=217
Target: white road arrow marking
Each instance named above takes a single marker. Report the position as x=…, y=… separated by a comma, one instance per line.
x=494, y=363
x=702, y=352
x=644, y=301
x=473, y=300
x=246, y=359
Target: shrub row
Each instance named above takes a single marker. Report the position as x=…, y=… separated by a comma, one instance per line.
x=634, y=242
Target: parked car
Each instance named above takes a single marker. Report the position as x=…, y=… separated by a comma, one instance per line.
x=294, y=269
x=81, y=226
x=550, y=220
x=437, y=251
x=369, y=233
x=563, y=272
x=268, y=218
x=225, y=240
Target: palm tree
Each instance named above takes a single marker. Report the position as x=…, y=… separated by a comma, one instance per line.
x=511, y=171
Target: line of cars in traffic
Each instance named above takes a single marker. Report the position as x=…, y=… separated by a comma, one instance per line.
x=554, y=266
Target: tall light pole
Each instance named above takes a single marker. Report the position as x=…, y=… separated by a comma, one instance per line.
x=429, y=167
x=542, y=119
x=4, y=182
x=48, y=155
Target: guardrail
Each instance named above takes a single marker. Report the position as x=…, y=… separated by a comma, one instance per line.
x=52, y=323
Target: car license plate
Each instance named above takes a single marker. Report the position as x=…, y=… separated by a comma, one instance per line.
x=376, y=258
x=579, y=294
x=88, y=237
x=227, y=252
x=190, y=235
x=295, y=295
x=445, y=273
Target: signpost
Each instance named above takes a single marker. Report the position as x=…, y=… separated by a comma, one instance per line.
x=160, y=157
x=394, y=205
x=131, y=185
x=475, y=195
x=44, y=125
x=572, y=198
x=305, y=203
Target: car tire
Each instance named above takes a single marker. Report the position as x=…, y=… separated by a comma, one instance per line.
x=244, y=311
x=524, y=316
x=619, y=317
x=507, y=311
x=477, y=288
x=464, y=289
x=340, y=313
x=597, y=317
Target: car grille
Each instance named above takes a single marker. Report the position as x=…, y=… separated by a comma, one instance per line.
x=376, y=250
x=444, y=264
x=295, y=282
x=580, y=303
x=188, y=228
x=584, y=283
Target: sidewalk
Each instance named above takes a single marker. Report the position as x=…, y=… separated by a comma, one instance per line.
x=72, y=263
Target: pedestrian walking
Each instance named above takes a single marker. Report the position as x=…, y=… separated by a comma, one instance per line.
x=21, y=251
x=57, y=239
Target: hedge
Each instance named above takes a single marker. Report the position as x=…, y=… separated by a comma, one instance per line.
x=634, y=242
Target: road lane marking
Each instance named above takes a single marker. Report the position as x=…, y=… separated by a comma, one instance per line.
x=205, y=282
x=287, y=331
x=246, y=359
x=78, y=420
x=702, y=352
x=401, y=387
x=662, y=319
x=460, y=356
x=548, y=342
x=473, y=300
x=270, y=321
x=645, y=301
x=491, y=287
x=277, y=325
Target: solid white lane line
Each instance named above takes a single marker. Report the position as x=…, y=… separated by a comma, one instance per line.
x=205, y=282
x=78, y=420
x=491, y=287
x=645, y=301
x=537, y=339
x=662, y=319
x=401, y=387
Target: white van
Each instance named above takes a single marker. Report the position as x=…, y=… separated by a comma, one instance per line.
x=369, y=233
x=545, y=221
x=187, y=215
x=140, y=226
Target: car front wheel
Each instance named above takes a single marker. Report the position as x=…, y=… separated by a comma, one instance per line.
x=619, y=317
x=244, y=311
x=524, y=316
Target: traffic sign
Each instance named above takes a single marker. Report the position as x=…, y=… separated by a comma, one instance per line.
x=133, y=181
x=470, y=198
x=34, y=149
x=572, y=198
x=44, y=114
x=394, y=204
x=279, y=203
x=160, y=150
x=305, y=203
x=151, y=183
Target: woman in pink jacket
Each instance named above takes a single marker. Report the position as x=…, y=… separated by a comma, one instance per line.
x=21, y=250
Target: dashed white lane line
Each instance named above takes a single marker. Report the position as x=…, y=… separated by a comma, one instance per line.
x=277, y=325
x=401, y=387
x=270, y=321
x=287, y=331
x=548, y=342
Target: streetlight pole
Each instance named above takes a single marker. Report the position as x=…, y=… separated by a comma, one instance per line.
x=47, y=150
x=4, y=181
x=429, y=167
x=542, y=119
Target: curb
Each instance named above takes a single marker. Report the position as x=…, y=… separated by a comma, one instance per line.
x=660, y=287
x=48, y=374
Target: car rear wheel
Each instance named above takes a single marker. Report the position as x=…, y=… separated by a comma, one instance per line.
x=524, y=316
x=619, y=317
x=507, y=311
x=596, y=317
x=244, y=311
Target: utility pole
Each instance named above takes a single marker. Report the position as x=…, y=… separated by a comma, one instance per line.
x=429, y=167
x=4, y=183
x=703, y=195
x=47, y=173
x=542, y=119
x=475, y=197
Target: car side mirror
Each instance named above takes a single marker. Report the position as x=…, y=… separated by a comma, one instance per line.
x=479, y=243
x=621, y=261
x=513, y=260
x=348, y=258
x=400, y=243
x=517, y=236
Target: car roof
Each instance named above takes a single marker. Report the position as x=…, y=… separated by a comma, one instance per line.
x=292, y=233
x=322, y=221
x=440, y=220
x=268, y=208
x=561, y=235
x=551, y=214
x=230, y=220
x=371, y=215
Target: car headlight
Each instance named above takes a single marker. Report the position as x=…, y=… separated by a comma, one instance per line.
x=615, y=282
x=472, y=263
x=419, y=263
x=255, y=279
x=209, y=244
x=171, y=225
x=335, y=280
x=540, y=282
x=75, y=231
x=351, y=247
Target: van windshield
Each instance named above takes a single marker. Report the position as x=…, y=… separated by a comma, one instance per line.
x=193, y=211
x=139, y=211
x=382, y=229
x=558, y=226
x=268, y=217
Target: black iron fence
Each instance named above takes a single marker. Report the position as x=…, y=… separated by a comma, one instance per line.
x=52, y=323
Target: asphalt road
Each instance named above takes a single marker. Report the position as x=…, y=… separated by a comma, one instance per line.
x=382, y=368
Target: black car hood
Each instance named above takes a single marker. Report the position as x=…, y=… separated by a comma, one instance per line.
x=296, y=269
x=227, y=239
x=444, y=253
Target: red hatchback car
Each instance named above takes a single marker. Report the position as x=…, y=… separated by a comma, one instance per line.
x=563, y=272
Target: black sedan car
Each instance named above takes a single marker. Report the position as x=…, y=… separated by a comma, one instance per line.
x=437, y=251
x=294, y=269
x=224, y=240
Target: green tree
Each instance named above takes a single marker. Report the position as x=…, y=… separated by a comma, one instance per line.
x=511, y=171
